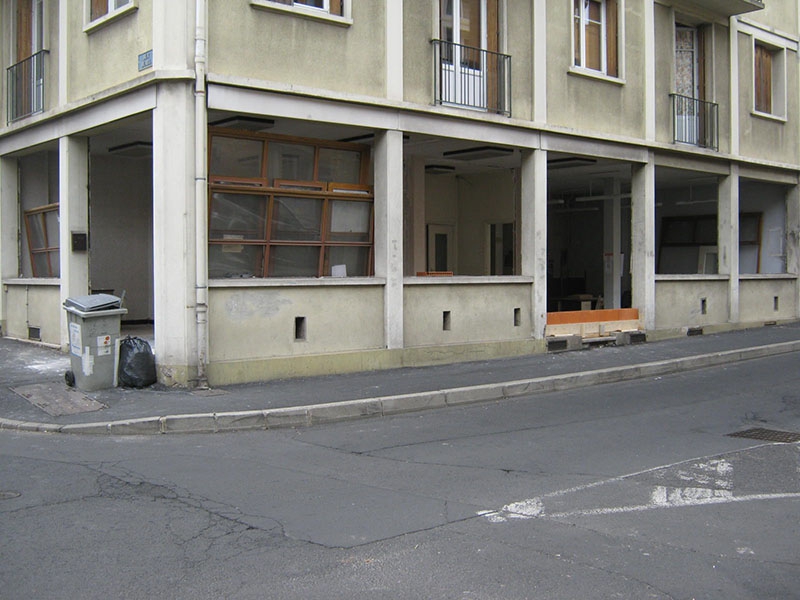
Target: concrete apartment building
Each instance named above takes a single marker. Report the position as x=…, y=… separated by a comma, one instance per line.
x=300, y=187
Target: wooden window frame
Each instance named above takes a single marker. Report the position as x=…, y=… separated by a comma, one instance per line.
x=608, y=62
x=268, y=190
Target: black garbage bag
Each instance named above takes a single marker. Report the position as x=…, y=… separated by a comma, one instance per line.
x=137, y=363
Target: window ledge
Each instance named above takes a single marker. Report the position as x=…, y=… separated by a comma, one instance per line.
x=44, y=281
x=692, y=277
x=768, y=116
x=767, y=276
x=469, y=280
x=111, y=17
x=252, y=282
x=592, y=74
x=313, y=14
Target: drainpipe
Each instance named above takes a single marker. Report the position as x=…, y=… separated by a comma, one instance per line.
x=201, y=191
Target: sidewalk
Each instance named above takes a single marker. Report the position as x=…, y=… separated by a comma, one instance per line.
x=39, y=373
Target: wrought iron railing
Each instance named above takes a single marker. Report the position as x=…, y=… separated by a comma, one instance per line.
x=471, y=77
x=695, y=122
x=26, y=86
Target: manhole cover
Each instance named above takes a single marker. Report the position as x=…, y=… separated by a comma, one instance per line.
x=9, y=495
x=768, y=435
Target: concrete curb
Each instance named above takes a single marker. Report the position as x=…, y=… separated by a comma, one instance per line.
x=303, y=416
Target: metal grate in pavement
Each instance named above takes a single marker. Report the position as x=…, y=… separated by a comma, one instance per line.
x=768, y=435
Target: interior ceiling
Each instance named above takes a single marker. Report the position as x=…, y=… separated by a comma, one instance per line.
x=568, y=174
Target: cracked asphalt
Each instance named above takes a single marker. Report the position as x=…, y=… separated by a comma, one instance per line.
x=631, y=490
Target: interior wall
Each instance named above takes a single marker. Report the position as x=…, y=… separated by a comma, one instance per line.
x=121, y=231
x=770, y=201
x=38, y=186
x=484, y=199
x=441, y=204
x=575, y=244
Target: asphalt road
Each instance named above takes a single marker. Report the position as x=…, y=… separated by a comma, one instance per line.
x=629, y=490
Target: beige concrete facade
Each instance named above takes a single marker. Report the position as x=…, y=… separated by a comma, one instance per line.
x=298, y=187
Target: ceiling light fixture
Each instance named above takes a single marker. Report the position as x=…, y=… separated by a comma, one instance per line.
x=244, y=122
x=479, y=153
x=138, y=149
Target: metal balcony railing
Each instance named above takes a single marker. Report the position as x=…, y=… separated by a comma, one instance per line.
x=26, y=86
x=471, y=77
x=695, y=122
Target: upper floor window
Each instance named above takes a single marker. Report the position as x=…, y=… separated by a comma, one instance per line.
x=99, y=12
x=596, y=35
x=333, y=7
x=769, y=80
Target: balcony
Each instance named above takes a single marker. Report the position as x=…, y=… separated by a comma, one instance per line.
x=724, y=8
x=26, y=87
x=472, y=78
x=695, y=122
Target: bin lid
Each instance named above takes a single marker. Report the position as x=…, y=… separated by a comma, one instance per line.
x=93, y=302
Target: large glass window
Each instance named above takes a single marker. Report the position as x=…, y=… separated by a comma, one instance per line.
x=596, y=34
x=288, y=207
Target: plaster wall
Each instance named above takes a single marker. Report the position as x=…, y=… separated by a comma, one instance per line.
x=257, y=322
x=770, y=138
x=419, y=29
x=478, y=312
x=121, y=223
x=757, y=299
x=273, y=46
x=485, y=199
x=101, y=58
x=583, y=102
x=679, y=302
x=34, y=305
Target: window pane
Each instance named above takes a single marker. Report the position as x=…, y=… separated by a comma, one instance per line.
x=471, y=23
x=237, y=216
x=355, y=259
x=236, y=157
x=290, y=161
x=349, y=221
x=296, y=219
x=235, y=260
x=294, y=261
x=593, y=45
x=51, y=223
x=98, y=9
x=341, y=166
x=706, y=231
x=314, y=3
x=35, y=231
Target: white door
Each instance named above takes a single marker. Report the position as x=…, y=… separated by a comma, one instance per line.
x=463, y=24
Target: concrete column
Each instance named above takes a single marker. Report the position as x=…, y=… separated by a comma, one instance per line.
x=174, y=233
x=533, y=209
x=734, y=83
x=728, y=238
x=643, y=241
x=394, y=49
x=612, y=246
x=73, y=212
x=649, y=70
x=389, y=231
x=793, y=239
x=539, y=62
x=9, y=224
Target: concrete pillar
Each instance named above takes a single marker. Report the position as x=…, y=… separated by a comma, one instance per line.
x=643, y=241
x=539, y=62
x=728, y=238
x=389, y=231
x=649, y=70
x=173, y=233
x=793, y=239
x=533, y=201
x=9, y=224
x=73, y=213
x=394, y=49
x=612, y=246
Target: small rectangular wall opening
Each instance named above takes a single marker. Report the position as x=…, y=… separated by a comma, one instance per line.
x=517, y=317
x=34, y=333
x=775, y=303
x=703, y=306
x=446, y=320
x=299, y=329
